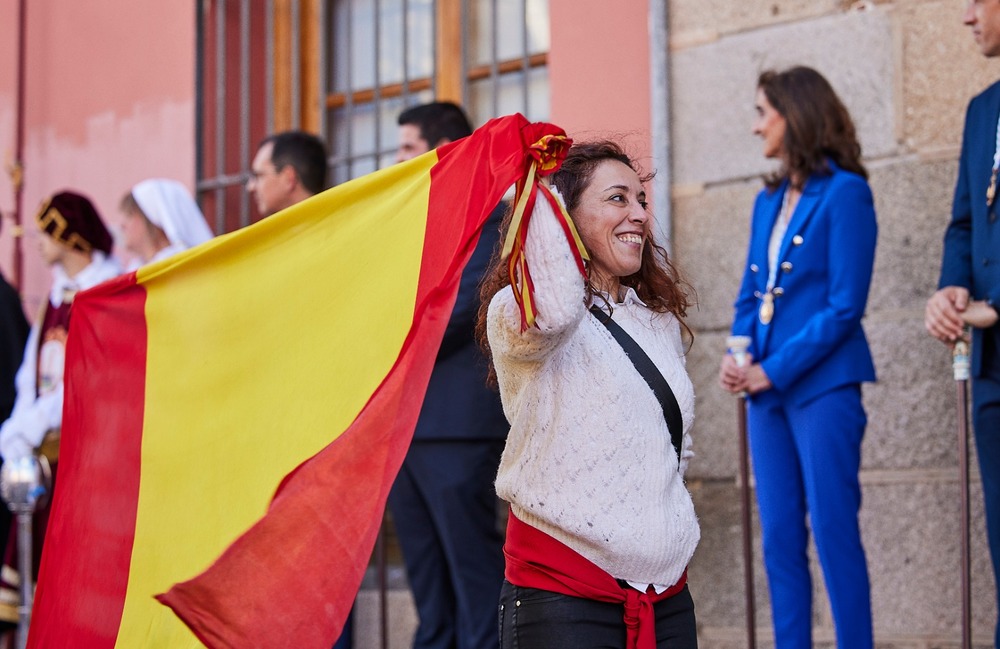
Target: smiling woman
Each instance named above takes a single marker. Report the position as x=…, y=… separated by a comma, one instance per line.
x=613, y=223
x=601, y=525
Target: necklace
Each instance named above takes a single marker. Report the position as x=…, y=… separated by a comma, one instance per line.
x=766, y=311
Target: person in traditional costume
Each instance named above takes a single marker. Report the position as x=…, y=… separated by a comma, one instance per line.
x=804, y=291
x=160, y=219
x=601, y=526
x=76, y=245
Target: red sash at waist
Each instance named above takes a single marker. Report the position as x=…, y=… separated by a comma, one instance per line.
x=536, y=560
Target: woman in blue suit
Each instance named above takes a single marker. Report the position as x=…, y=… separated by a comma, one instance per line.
x=809, y=266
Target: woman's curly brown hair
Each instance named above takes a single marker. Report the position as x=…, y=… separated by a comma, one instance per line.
x=657, y=283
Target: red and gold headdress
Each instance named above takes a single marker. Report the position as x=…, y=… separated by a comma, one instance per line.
x=72, y=220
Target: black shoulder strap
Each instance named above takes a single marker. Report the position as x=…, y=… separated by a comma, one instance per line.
x=652, y=376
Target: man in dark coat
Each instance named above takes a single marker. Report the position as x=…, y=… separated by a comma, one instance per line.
x=443, y=502
x=969, y=289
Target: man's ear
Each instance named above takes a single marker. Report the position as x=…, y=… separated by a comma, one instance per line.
x=441, y=142
x=288, y=177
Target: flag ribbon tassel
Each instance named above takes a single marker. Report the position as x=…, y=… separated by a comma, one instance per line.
x=544, y=158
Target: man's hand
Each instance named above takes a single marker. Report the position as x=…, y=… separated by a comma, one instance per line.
x=980, y=315
x=943, y=313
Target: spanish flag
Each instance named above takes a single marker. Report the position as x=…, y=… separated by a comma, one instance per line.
x=235, y=415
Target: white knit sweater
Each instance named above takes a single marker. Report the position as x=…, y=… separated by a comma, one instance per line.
x=588, y=459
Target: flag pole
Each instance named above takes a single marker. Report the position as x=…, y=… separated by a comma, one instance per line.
x=960, y=369
x=737, y=346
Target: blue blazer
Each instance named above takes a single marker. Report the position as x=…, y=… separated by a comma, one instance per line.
x=814, y=341
x=459, y=405
x=972, y=241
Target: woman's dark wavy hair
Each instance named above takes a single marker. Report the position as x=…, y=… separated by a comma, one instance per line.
x=657, y=283
x=818, y=125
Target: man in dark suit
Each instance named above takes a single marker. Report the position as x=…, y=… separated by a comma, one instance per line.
x=288, y=168
x=969, y=289
x=443, y=502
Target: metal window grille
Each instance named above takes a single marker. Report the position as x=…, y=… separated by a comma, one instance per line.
x=376, y=57
x=235, y=103
x=386, y=55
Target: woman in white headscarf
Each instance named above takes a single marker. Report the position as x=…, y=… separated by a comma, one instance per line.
x=160, y=218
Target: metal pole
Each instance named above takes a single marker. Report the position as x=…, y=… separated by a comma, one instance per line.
x=24, y=567
x=738, y=348
x=960, y=368
x=17, y=168
x=747, y=523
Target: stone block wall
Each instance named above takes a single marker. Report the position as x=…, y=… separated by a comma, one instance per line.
x=906, y=70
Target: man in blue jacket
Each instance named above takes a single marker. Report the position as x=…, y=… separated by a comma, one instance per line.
x=969, y=289
x=443, y=502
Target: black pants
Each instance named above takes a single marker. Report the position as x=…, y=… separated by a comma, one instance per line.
x=540, y=619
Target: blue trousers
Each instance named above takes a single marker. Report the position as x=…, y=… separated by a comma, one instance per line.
x=444, y=508
x=986, y=420
x=806, y=461
x=539, y=619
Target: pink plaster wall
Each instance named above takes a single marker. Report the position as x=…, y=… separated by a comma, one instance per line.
x=110, y=101
x=599, y=70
